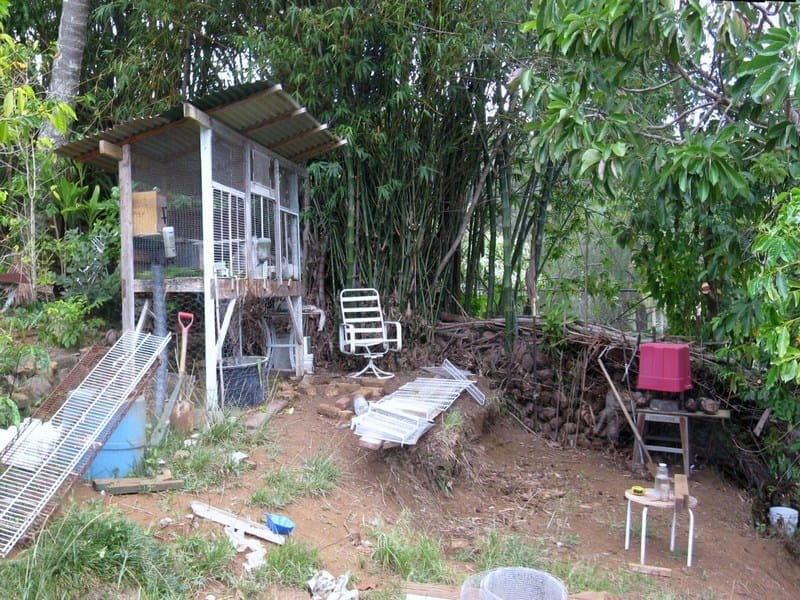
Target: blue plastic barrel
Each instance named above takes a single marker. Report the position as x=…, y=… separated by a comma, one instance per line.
x=125, y=448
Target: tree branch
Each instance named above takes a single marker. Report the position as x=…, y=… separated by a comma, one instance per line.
x=791, y=113
x=696, y=86
x=650, y=89
x=681, y=116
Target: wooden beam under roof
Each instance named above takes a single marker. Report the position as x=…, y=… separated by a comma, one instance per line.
x=300, y=136
x=111, y=150
x=275, y=120
x=312, y=152
x=190, y=111
x=134, y=138
x=262, y=94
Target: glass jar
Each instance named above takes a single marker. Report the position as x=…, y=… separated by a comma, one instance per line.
x=662, y=485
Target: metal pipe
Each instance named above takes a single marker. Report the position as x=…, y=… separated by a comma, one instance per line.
x=160, y=326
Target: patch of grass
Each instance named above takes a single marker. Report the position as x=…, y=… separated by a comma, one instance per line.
x=290, y=565
x=452, y=420
x=282, y=488
x=319, y=475
x=591, y=576
x=202, y=558
x=228, y=433
x=206, y=461
x=496, y=550
x=413, y=556
x=92, y=553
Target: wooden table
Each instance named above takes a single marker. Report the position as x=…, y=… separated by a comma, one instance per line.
x=681, y=419
x=650, y=500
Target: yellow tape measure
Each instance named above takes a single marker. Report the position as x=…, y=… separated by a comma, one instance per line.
x=637, y=490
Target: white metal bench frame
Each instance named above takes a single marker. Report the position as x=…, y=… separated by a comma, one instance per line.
x=364, y=332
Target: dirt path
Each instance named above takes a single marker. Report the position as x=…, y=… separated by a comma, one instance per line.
x=569, y=501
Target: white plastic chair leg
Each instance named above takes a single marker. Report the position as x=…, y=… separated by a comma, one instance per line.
x=672, y=533
x=644, y=534
x=628, y=527
x=691, y=537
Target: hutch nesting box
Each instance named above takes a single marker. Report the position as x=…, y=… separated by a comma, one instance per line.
x=211, y=191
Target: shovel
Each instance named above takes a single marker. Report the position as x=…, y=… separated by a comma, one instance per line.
x=182, y=419
x=185, y=321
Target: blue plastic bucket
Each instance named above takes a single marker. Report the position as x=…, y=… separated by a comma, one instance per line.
x=124, y=449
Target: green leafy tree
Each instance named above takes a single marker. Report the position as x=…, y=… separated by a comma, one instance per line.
x=412, y=86
x=677, y=113
x=22, y=152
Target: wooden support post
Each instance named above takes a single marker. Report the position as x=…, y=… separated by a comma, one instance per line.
x=126, y=238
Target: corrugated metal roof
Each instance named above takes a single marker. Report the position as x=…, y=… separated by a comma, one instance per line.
x=262, y=112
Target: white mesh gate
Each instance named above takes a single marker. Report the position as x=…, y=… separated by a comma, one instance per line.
x=38, y=463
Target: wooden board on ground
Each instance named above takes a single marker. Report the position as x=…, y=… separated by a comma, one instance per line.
x=650, y=570
x=135, y=485
x=430, y=591
x=223, y=517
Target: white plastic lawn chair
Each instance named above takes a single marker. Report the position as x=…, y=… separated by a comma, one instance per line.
x=363, y=331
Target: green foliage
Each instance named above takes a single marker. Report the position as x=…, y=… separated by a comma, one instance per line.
x=76, y=208
x=411, y=555
x=90, y=263
x=672, y=144
x=9, y=412
x=207, y=460
x=497, y=549
x=200, y=559
x=291, y=564
x=86, y=552
x=282, y=487
x=318, y=476
x=763, y=330
x=14, y=350
x=67, y=322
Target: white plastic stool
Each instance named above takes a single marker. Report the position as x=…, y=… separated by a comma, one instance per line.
x=649, y=500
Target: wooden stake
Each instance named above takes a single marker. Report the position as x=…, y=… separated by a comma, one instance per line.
x=650, y=464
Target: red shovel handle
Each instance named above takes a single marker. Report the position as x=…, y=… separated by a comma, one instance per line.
x=185, y=320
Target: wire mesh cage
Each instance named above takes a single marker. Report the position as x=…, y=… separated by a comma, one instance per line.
x=513, y=583
x=256, y=236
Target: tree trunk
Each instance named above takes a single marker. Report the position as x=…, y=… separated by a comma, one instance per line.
x=66, y=75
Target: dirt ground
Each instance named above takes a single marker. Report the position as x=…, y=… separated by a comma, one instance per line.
x=522, y=485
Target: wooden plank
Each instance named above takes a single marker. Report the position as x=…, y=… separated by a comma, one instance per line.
x=430, y=591
x=110, y=150
x=651, y=570
x=762, y=421
x=681, y=491
x=135, y=485
x=223, y=517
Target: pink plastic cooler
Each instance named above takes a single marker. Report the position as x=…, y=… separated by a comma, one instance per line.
x=664, y=367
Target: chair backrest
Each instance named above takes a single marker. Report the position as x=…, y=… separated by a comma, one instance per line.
x=362, y=316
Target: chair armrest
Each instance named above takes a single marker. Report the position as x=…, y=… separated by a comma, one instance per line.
x=347, y=339
x=393, y=342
